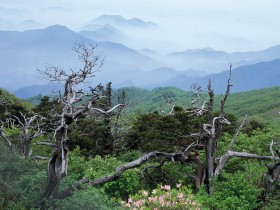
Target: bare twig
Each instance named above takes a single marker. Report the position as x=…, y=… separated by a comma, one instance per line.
x=237, y=133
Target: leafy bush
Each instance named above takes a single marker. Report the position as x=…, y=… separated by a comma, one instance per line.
x=23, y=180
x=128, y=183
x=231, y=191
x=164, y=133
x=89, y=198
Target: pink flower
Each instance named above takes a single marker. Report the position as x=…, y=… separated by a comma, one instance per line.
x=167, y=187
x=130, y=200
x=127, y=205
x=137, y=203
x=145, y=193
x=180, y=196
x=161, y=199
x=194, y=203
x=153, y=199
x=155, y=209
x=178, y=185
x=168, y=203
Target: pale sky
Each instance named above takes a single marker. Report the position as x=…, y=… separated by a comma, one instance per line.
x=229, y=25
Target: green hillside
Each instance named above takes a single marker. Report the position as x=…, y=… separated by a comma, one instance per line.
x=12, y=102
x=261, y=104
x=143, y=101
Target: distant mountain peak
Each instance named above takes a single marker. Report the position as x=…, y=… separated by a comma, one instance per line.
x=57, y=27
x=120, y=21
x=208, y=49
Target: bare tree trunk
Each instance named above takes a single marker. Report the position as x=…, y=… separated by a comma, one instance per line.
x=209, y=166
x=108, y=145
x=214, y=131
x=4, y=136
x=271, y=179
x=26, y=149
x=57, y=165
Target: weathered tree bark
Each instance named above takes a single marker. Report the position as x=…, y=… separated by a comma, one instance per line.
x=108, y=145
x=229, y=154
x=272, y=177
x=5, y=138
x=57, y=166
x=213, y=132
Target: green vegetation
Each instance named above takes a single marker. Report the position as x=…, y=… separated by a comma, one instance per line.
x=146, y=126
x=257, y=104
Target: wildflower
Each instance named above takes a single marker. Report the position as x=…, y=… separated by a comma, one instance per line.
x=145, y=193
x=168, y=203
x=154, y=191
x=161, y=199
x=129, y=200
x=127, y=205
x=137, y=203
x=178, y=185
x=194, y=203
x=180, y=196
x=167, y=187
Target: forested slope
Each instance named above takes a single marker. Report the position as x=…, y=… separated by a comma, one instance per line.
x=159, y=152
x=261, y=104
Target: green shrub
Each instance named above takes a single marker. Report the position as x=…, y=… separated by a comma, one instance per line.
x=128, y=183
x=231, y=191
x=89, y=198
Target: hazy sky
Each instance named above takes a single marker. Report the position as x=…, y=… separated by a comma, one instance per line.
x=230, y=25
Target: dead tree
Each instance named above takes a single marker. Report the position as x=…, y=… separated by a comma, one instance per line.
x=118, y=127
x=111, y=120
x=31, y=128
x=213, y=132
x=5, y=138
x=108, y=144
x=211, y=165
x=4, y=103
x=58, y=163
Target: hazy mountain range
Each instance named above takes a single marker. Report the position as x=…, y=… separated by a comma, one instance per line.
x=23, y=52
x=118, y=21
x=243, y=78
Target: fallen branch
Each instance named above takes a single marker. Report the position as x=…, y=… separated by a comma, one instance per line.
x=45, y=144
x=224, y=158
x=119, y=170
x=36, y=157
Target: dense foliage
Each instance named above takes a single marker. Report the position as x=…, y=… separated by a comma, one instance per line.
x=157, y=184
